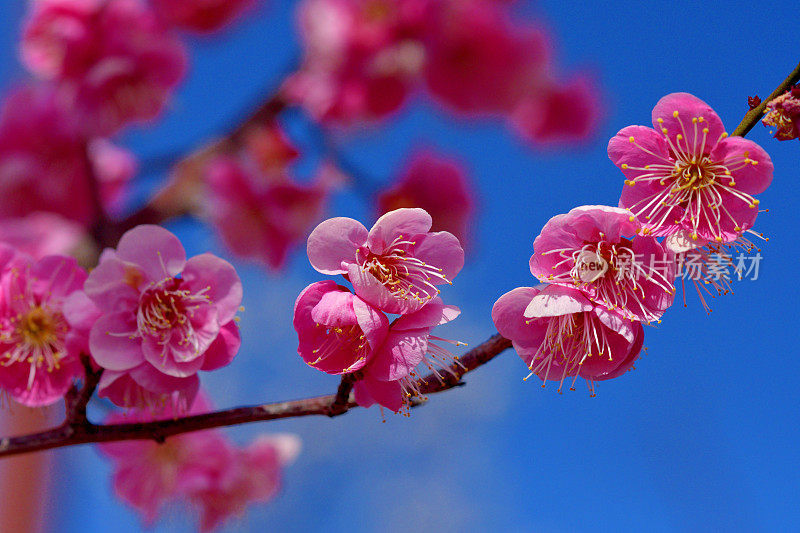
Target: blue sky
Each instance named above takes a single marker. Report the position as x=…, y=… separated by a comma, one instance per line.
x=702, y=436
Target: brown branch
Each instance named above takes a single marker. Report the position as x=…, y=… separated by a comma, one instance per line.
x=84, y=432
x=754, y=115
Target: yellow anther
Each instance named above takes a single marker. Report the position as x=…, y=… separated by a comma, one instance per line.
x=705, y=130
x=660, y=120
x=694, y=120
x=631, y=139
x=624, y=166
x=664, y=131
x=675, y=114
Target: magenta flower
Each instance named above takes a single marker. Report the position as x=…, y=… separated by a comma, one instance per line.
x=437, y=184
x=396, y=266
x=114, y=59
x=559, y=333
x=258, y=214
x=37, y=364
x=202, y=16
x=253, y=476
x=163, y=318
x=389, y=378
x=338, y=331
x=592, y=248
x=783, y=114
x=41, y=234
x=688, y=175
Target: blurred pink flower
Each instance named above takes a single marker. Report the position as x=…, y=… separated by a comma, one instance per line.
x=261, y=214
x=45, y=161
x=163, y=318
x=253, y=476
x=338, y=332
x=592, y=248
x=688, y=175
x=114, y=59
x=478, y=61
x=783, y=114
x=361, y=57
x=389, y=378
x=37, y=365
x=203, y=16
x=147, y=475
x=559, y=333
x=559, y=112
x=439, y=185
x=396, y=266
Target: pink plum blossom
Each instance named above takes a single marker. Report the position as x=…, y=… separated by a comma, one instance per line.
x=592, y=248
x=559, y=333
x=396, y=266
x=163, y=318
x=439, y=185
x=783, y=114
x=200, y=15
x=37, y=364
x=261, y=214
x=389, y=378
x=114, y=59
x=688, y=175
x=338, y=331
x=253, y=476
x=362, y=57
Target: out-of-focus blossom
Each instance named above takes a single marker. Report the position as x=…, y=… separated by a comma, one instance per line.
x=41, y=234
x=389, y=378
x=688, y=175
x=43, y=164
x=439, y=185
x=396, y=266
x=783, y=114
x=200, y=15
x=559, y=333
x=201, y=468
x=592, y=248
x=261, y=215
x=163, y=318
x=362, y=57
x=559, y=112
x=253, y=476
x=270, y=148
x=37, y=366
x=113, y=59
x=478, y=61
x=338, y=331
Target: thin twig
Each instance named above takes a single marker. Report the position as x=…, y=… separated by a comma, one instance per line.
x=84, y=432
x=754, y=115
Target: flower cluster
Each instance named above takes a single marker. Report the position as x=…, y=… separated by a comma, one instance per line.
x=605, y=270
x=363, y=58
x=783, y=114
x=395, y=268
x=202, y=468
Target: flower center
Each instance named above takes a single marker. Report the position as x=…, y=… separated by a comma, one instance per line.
x=405, y=276
x=36, y=338
x=349, y=339
x=166, y=309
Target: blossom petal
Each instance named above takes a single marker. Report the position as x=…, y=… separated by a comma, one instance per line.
x=649, y=147
x=157, y=251
x=223, y=349
x=433, y=314
x=507, y=313
x=441, y=250
x=389, y=394
x=677, y=112
x=555, y=300
x=113, y=343
x=751, y=178
x=407, y=222
x=334, y=242
x=399, y=355
x=115, y=284
x=372, y=322
x=224, y=288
